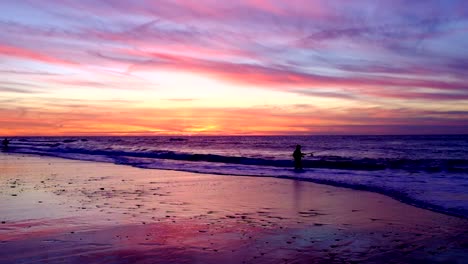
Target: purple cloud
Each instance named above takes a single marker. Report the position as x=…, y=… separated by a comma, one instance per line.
x=349, y=50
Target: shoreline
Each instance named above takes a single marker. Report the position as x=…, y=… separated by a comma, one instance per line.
x=89, y=211
x=398, y=196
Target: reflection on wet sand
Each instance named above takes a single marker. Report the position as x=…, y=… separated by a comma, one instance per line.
x=56, y=209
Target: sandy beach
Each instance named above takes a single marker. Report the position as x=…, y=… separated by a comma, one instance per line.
x=65, y=211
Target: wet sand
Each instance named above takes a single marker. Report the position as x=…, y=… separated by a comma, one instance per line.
x=64, y=211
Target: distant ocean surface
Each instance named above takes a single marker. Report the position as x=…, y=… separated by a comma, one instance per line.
x=426, y=171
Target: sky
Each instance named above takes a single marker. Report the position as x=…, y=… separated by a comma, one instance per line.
x=250, y=67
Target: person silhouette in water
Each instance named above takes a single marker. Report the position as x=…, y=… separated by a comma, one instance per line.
x=298, y=155
x=5, y=143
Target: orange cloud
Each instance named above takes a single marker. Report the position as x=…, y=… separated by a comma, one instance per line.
x=119, y=120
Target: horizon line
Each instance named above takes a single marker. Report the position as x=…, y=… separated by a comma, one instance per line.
x=232, y=135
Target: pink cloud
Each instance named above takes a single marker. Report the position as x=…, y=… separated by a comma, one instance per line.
x=282, y=77
x=352, y=50
x=12, y=51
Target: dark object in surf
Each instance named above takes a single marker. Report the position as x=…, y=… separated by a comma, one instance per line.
x=5, y=144
x=177, y=139
x=69, y=140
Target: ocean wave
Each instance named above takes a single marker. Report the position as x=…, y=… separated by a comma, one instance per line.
x=436, y=184
x=324, y=162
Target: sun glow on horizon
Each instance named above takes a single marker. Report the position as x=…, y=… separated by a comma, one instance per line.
x=240, y=68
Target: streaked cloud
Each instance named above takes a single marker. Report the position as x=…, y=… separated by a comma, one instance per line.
x=383, y=56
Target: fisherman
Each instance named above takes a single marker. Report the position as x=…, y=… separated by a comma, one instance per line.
x=298, y=155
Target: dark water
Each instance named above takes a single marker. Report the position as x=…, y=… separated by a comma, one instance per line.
x=428, y=171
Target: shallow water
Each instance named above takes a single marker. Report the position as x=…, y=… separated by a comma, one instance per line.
x=428, y=171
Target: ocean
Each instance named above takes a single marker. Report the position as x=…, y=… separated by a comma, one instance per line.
x=426, y=171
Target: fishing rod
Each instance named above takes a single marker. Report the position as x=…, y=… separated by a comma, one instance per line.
x=311, y=154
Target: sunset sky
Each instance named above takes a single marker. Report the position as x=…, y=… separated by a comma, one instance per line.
x=260, y=67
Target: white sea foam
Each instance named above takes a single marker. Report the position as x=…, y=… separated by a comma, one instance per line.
x=426, y=172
